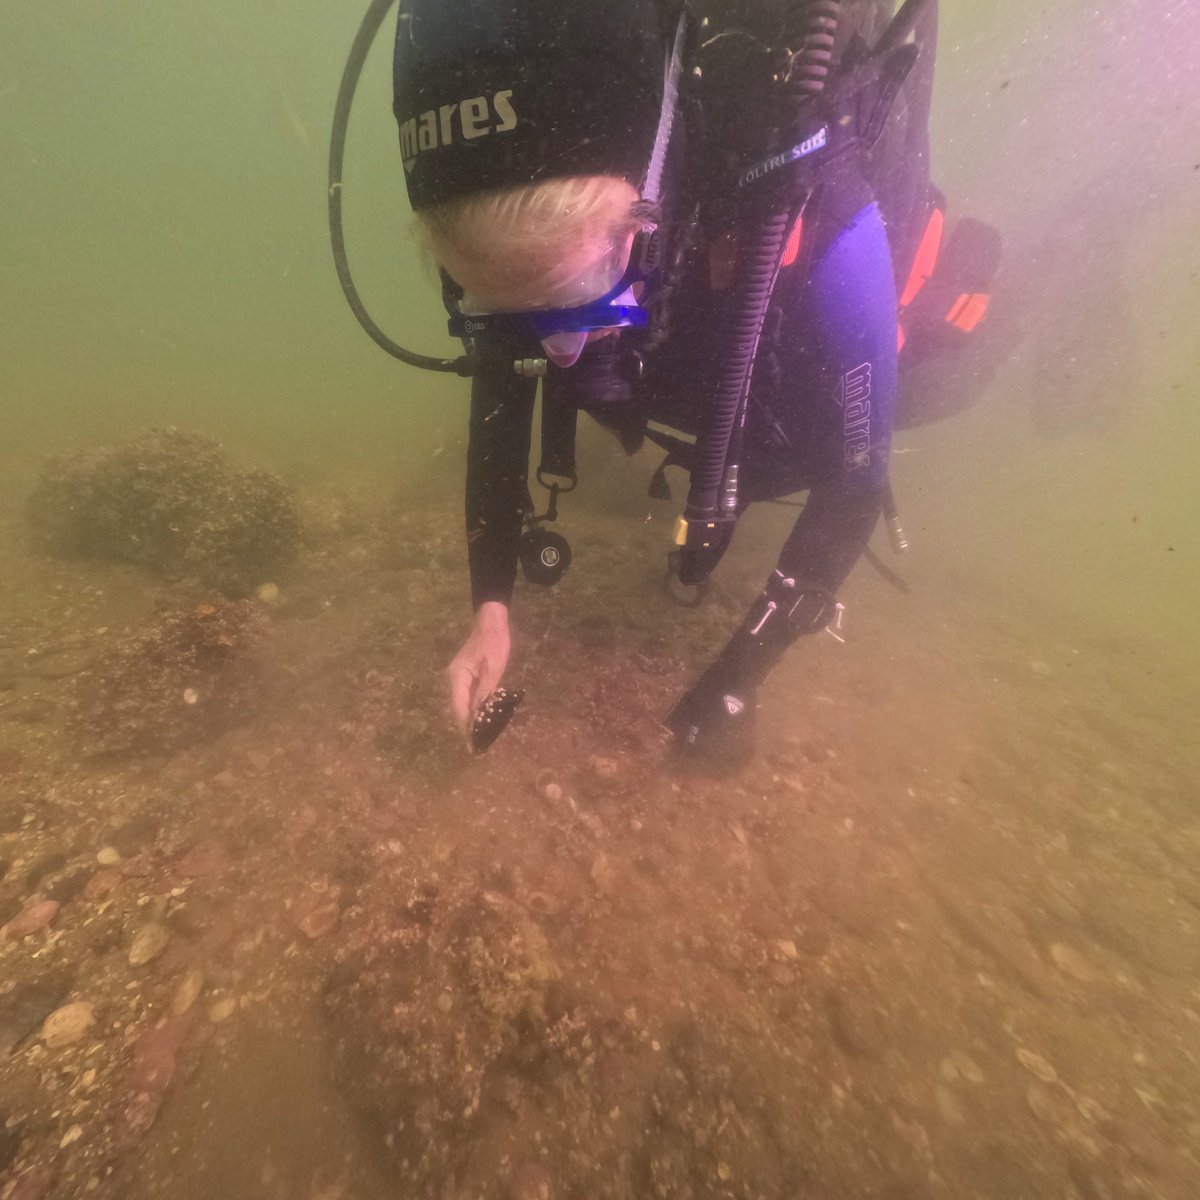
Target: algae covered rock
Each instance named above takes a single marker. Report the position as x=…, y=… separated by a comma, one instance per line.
x=167, y=500
x=184, y=679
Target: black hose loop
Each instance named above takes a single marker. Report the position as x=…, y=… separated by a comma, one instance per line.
x=367, y=32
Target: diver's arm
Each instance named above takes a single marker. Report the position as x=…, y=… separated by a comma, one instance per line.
x=497, y=482
x=497, y=492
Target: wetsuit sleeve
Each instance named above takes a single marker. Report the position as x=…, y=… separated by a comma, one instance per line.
x=497, y=482
x=845, y=320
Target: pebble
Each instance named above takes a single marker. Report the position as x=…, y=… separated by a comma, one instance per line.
x=445, y=1002
x=1070, y=962
x=31, y=918
x=319, y=921
x=1037, y=1065
x=102, y=884
x=548, y=787
x=605, y=768
x=204, y=858
x=72, y=1135
x=155, y=1053
x=148, y=944
x=109, y=856
x=268, y=593
x=958, y=1065
x=222, y=1009
x=67, y=1024
x=188, y=991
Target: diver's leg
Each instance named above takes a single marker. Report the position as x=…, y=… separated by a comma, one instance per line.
x=846, y=311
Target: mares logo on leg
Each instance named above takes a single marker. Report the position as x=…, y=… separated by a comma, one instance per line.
x=854, y=398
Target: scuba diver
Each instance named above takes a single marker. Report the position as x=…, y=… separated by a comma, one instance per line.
x=687, y=220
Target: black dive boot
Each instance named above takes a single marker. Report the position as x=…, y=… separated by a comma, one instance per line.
x=713, y=724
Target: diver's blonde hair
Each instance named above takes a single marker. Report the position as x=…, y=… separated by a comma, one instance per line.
x=509, y=246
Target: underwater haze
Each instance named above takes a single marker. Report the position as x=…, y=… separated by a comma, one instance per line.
x=266, y=929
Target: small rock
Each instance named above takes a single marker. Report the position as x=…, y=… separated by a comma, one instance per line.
x=319, y=921
x=1037, y=1065
x=204, y=858
x=155, y=1053
x=222, y=1010
x=966, y=1067
x=102, y=885
x=268, y=593
x=30, y=919
x=445, y=1002
x=32, y=1184
x=148, y=944
x=109, y=856
x=1040, y=668
x=72, y=1135
x=606, y=769
x=548, y=787
x=67, y=1024
x=188, y=991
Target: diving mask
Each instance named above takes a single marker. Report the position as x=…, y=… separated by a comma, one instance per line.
x=563, y=328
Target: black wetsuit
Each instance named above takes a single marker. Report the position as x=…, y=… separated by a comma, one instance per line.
x=822, y=396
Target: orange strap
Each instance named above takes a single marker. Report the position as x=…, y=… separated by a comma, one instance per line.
x=926, y=258
x=968, y=310
x=792, y=249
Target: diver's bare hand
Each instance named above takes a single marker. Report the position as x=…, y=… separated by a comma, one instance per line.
x=479, y=666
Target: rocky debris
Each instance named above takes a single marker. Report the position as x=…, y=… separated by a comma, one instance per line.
x=167, y=500
x=222, y=1009
x=187, y=992
x=315, y=911
x=155, y=1052
x=547, y=786
x=31, y=1184
x=23, y=1009
x=148, y=943
x=34, y=916
x=1037, y=1065
x=1073, y=964
x=390, y=1023
x=67, y=1024
x=187, y=677
x=205, y=857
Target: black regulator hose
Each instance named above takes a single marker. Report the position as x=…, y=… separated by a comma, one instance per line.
x=367, y=32
x=712, y=502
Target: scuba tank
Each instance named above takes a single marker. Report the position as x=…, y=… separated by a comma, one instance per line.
x=818, y=115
